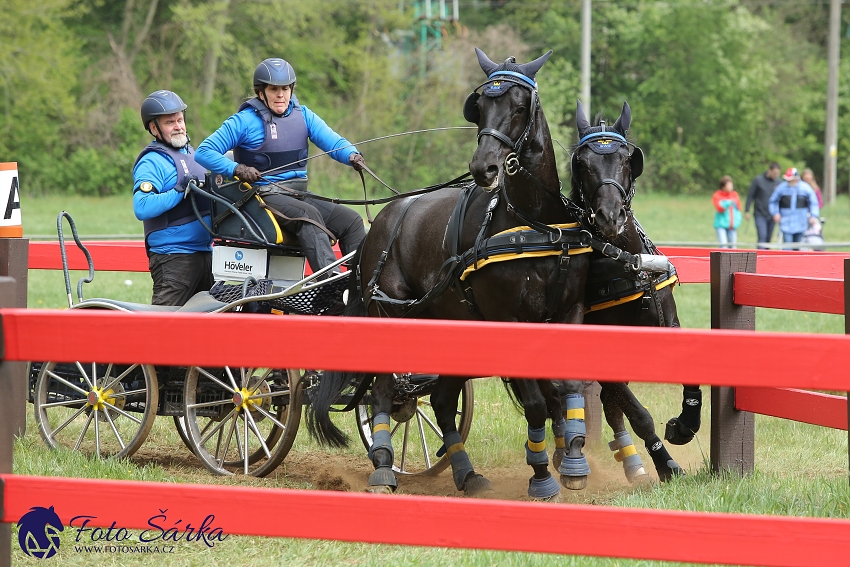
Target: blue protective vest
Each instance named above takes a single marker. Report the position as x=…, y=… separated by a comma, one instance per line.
x=183, y=212
x=285, y=140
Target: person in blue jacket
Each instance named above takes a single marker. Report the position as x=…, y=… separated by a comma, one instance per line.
x=268, y=136
x=178, y=246
x=794, y=206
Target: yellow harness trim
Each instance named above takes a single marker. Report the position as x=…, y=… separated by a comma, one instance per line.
x=536, y=447
x=512, y=256
x=624, y=452
x=560, y=443
x=277, y=232
x=537, y=254
x=381, y=427
x=577, y=413
x=454, y=449
x=669, y=281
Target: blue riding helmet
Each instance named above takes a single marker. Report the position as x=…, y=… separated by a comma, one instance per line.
x=274, y=71
x=160, y=103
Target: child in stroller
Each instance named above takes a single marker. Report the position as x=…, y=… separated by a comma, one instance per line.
x=813, y=236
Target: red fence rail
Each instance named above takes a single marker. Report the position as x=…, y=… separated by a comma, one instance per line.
x=394, y=344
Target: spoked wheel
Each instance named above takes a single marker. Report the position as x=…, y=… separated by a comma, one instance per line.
x=415, y=436
x=102, y=410
x=183, y=432
x=242, y=420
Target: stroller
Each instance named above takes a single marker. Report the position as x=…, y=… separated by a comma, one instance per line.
x=813, y=237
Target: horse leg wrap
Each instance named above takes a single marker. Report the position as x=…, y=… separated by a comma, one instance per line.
x=543, y=488
x=666, y=467
x=681, y=430
x=627, y=454
x=559, y=430
x=535, y=447
x=459, y=459
x=381, y=437
x=574, y=462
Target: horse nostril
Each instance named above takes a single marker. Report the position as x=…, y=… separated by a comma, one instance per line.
x=492, y=171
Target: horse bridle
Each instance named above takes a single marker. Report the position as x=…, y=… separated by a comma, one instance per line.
x=472, y=114
x=635, y=158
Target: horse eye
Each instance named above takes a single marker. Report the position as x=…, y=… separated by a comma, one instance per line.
x=520, y=110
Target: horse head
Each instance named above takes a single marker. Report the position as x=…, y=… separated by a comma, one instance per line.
x=511, y=126
x=604, y=168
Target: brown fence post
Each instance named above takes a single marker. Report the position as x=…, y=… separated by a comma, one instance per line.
x=732, y=431
x=847, y=331
x=8, y=424
x=14, y=257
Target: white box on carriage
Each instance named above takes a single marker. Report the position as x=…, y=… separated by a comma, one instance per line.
x=236, y=263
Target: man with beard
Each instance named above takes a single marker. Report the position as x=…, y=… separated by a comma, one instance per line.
x=178, y=246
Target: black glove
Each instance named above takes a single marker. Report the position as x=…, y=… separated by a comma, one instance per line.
x=357, y=162
x=247, y=174
x=183, y=184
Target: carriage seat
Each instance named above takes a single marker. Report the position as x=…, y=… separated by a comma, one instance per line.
x=201, y=302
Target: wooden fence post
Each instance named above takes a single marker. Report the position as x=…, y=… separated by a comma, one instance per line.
x=732, y=431
x=847, y=331
x=8, y=423
x=14, y=256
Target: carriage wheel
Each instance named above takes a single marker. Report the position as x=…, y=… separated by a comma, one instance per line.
x=183, y=432
x=415, y=435
x=242, y=420
x=102, y=410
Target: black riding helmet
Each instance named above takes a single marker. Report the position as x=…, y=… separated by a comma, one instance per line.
x=160, y=103
x=274, y=71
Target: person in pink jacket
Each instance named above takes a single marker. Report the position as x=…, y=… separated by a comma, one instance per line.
x=727, y=217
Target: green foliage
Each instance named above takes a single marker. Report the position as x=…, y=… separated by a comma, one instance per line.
x=716, y=87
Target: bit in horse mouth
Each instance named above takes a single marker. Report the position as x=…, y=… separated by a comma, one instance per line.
x=493, y=185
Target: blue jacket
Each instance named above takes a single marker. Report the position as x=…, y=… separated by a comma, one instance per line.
x=245, y=130
x=794, y=204
x=161, y=173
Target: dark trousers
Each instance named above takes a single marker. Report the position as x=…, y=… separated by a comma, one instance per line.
x=177, y=277
x=345, y=224
x=764, y=228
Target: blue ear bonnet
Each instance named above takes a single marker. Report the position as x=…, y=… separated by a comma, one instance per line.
x=603, y=142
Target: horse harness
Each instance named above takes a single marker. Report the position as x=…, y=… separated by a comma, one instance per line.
x=532, y=239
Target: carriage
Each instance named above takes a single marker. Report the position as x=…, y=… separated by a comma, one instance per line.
x=235, y=420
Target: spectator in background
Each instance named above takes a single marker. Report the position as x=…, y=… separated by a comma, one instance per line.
x=759, y=195
x=727, y=219
x=809, y=177
x=794, y=206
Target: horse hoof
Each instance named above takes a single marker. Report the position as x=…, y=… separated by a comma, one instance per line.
x=677, y=433
x=641, y=479
x=476, y=486
x=382, y=477
x=673, y=470
x=574, y=482
x=543, y=489
x=557, y=457
x=379, y=489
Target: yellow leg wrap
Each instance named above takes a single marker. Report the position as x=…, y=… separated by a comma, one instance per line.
x=560, y=443
x=624, y=452
x=454, y=449
x=381, y=427
x=577, y=413
x=537, y=447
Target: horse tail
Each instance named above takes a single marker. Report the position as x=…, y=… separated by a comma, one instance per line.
x=514, y=394
x=332, y=383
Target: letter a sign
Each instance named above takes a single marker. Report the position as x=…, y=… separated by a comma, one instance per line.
x=10, y=202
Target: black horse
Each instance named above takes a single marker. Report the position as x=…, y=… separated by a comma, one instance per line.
x=459, y=237
x=604, y=167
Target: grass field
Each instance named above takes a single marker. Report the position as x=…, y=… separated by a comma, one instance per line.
x=801, y=470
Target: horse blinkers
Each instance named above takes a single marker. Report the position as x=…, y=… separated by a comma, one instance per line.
x=636, y=162
x=471, y=111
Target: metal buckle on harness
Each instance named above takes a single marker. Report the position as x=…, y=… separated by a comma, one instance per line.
x=511, y=164
x=605, y=251
x=560, y=234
